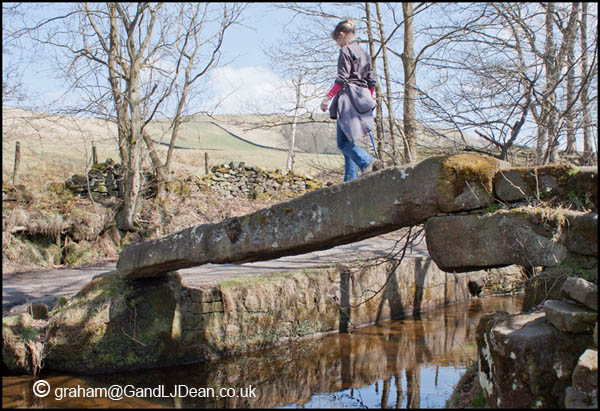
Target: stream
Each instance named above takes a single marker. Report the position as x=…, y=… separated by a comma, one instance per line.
x=413, y=362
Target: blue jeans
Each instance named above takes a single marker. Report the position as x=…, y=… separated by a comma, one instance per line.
x=354, y=156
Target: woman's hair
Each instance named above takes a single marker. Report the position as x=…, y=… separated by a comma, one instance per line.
x=345, y=26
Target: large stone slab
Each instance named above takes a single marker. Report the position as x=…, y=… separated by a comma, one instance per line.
x=546, y=182
x=524, y=236
x=340, y=214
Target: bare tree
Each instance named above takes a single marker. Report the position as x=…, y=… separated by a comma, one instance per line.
x=504, y=77
x=388, y=84
x=378, y=90
x=586, y=124
x=290, y=159
x=301, y=58
x=570, y=113
x=13, y=51
x=554, y=62
x=133, y=62
x=410, y=85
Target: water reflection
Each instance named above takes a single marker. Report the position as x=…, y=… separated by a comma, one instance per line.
x=408, y=363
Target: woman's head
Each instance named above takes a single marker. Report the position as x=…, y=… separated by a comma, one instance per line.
x=343, y=32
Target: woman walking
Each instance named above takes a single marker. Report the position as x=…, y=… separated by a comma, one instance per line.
x=352, y=103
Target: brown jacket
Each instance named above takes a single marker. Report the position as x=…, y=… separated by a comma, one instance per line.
x=353, y=105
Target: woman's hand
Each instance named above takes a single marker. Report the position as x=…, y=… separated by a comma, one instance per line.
x=325, y=103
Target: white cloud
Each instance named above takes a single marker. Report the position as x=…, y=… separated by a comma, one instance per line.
x=245, y=90
x=248, y=90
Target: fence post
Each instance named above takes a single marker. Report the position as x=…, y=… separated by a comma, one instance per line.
x=17, y=162
x=205, y=162
x=94, y=155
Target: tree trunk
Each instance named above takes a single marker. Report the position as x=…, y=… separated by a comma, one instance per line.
x=388, y=84
x=290, y=158
x=543, y=144
x=554, y=63
x=570, y=114
x=410, y=85
x=378, y=94
x=159, y=169
x=126, y=214
x=587, y=139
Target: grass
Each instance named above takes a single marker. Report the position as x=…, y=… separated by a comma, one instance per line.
x=247, y=280
x=467, y=392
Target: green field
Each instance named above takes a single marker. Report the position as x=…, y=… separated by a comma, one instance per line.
x=202, y=135
x=199, y=136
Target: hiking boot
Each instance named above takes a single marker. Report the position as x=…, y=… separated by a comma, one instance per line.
x=374, y=165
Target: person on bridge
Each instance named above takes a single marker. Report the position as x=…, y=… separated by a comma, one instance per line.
x=352, y=103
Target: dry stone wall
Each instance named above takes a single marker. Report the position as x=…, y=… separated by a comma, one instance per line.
x=103, y=179
x=236, y=179
x=228, y=180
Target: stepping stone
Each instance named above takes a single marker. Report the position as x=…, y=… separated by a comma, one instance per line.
x=569, y=317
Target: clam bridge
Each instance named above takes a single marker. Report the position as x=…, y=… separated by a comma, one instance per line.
x=447, y=193
x=145, y=314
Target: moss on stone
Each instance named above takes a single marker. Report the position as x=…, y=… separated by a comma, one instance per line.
x=531, y=175
x=113, y=325
x=558, y=182
x=248, y=280
x=459, y=169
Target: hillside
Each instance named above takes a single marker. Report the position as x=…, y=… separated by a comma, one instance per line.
x=65, y=143
x=60, y=146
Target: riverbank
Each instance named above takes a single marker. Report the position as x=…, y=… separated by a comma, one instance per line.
x=165, y=321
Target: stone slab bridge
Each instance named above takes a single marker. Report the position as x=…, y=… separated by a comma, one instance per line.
x=453, y=195
x=143, y=315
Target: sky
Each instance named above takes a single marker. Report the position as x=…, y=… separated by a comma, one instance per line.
x=242, y=84
x=247, y=82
